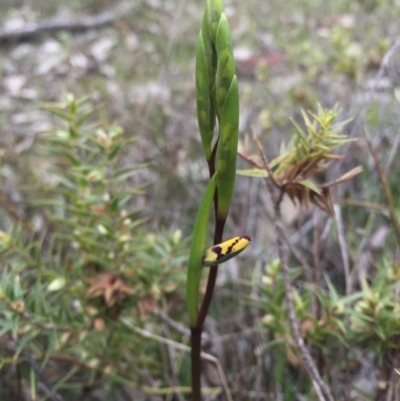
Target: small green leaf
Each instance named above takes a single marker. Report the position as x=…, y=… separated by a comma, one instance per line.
x=205, y=111
x=310, y=185
x=253, y=172
x=214, y=10
x=57, y=112
x=114, y=151
x=227, y=149
x=82, y=118
x=226, y=62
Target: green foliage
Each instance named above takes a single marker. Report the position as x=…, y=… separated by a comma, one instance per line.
x=320, y=139
x=65, y=288
x=199, y=243
x=307, y=147
x=374, y=320
x=205, y=111
x=367, y=318
x=91, y=184
x=307, y=154
x=348, y=57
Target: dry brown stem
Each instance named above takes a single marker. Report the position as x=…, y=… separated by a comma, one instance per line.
x=385, y=185
x=32, y=30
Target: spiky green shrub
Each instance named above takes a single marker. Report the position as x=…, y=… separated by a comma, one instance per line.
x=78, y=277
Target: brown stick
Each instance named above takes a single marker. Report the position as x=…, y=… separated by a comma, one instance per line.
x=32, y=30
x=385, y=185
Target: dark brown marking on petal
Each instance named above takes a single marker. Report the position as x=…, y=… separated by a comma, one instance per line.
x=218, y=250
x=229, y=250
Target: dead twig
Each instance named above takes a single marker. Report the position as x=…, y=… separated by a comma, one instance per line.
x=32, y=30
x=264, y=160
x=171, y=378
x=205, y=338
x=385, y=185
x=316, y=272
x=316, y=277
x=343, y=249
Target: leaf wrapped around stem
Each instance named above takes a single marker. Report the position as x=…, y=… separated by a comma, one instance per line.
x=227, y=149
x=226, y=62
x=214, y=9
x=205, y=82
x=197, y=247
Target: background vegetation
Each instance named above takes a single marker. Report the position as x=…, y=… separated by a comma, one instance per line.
x=98, y=198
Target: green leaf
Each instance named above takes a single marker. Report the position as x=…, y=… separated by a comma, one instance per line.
x=226, y=62
x=253, y=172
x=208, y=46
x=214, y=10
x=227, y=149
x=5, y=327
x=82, y=118
x=332, y=290
x=124, y=176
x=23, y=342
x=310, y=185
x=199, y=240
x=205, y=110
x=54, y=109
x=113, y=152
